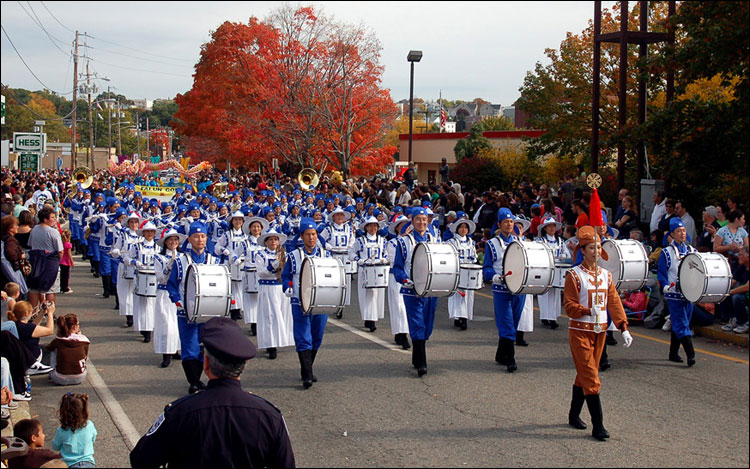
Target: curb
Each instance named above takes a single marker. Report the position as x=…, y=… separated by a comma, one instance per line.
x=716, y=333
x=16, y=415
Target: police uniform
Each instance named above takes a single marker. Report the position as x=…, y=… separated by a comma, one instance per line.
x=222, y=426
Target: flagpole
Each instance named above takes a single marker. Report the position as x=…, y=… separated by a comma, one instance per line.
x=440, y=101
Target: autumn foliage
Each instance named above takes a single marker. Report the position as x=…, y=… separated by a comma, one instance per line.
x=298, y=87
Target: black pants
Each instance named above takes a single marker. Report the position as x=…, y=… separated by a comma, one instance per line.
x=64, y=278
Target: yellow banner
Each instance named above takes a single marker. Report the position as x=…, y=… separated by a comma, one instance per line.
x=155, y=191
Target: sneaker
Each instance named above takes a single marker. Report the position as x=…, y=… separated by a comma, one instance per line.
x=38, y=369
x=26, y=396
x=729, y=327
x=11, y=405
x=667, y=325
x=740, y=329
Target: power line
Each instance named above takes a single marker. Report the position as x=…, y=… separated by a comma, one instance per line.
x=24, y=62
x=109, y=51
x=39, y=23
x=144, y=52
x=7, y=89
x=142, y=70
x=53, y=16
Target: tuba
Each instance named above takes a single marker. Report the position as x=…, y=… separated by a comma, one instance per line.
x=220, y=190
x=83, y=176
x=307, y=178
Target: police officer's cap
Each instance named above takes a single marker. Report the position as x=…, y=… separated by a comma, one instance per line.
x=224, y=339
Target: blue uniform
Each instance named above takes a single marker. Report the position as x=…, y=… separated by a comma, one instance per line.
x=680, y=310
x=508, y=307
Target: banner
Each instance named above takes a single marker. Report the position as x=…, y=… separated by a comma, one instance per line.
x=156, y=191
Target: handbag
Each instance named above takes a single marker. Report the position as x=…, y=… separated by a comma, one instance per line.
x=25, y=267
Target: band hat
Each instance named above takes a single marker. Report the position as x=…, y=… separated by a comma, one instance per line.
x=369, y=220
x=463, y=221
x=236, y=214
x=197, y=227
x=226, y=341
x=168, y=233
x=418, y=211
x=347, y=215
x=250, y=220
x=525, y=224
x=307, y=223
x=674, y=223
x=546, y=222
x=587, y=235
x=134, y=216
x=394, y=224
x=149, y=225
x=505, y=214
x=270, y=234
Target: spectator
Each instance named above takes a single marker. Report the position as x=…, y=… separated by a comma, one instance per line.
x=12, y=250
x=403, y=196
x=659, y=210
x=486, y=216
x=730, y=238
x=536, y=218
x=620, y=209
x=70, y=350
x=31, y=431
x=582, y=218
x=444, y=170
x=76, y=434
x=635, y=302
x=710, y=227
x=10, y=295
x=409, y=176
x=721, y=214
x=25, y=224
x=46, y=251
x=66, y=262
x=29, y=333
x=18, y=205
x=627, y=217
x=19, y=359
x=738, y=295
x=688, y=221
x=669, y=206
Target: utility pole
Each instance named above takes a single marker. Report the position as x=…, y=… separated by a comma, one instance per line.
x=73, y=160
x=138, y=133
x=91, y=164
x=119, y=140
x=109, y=123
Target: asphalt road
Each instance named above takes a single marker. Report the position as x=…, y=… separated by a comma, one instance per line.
x=369, y=408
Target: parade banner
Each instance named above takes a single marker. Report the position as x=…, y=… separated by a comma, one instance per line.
x=156, y=191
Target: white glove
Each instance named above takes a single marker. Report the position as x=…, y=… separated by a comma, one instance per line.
x=114, y=252
x=288, y=292
x=408, y=283
x=139, y=265
x=329, y=247
x=627, y=338
x=239, y=260
x=226, y=252
x=361, y=261
x=497, y=278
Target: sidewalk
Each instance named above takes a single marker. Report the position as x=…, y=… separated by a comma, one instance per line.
x=16, y=415
x=714, y=332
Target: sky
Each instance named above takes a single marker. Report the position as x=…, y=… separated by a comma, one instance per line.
x=149, y=49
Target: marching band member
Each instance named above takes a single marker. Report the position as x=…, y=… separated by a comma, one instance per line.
x=291, y=225
x=228, y=247
x=97, y=213
x=141, y=256
x=396, y=307
x=420, y=311
x=308, y=328
x=589, y=294
x=101, y=227
x=338, y=237
x=369, y=249
x=73, y=205
x=526, y=322
x=680, y=310
x=508, y=307
x=461, y=307
x=550, y=302
x=254, y=227
x=125, y=237
x=192, y=357
x=275, y=324
x=166, y=334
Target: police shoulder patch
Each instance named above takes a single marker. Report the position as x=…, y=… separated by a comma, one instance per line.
x=156, y=425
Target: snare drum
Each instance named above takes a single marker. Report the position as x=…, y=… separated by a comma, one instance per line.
x=470, y=277
x=350, y=267
x=375, y=275
x=435, y=269
x=235, y=272
x=251, y=281
x=628, y=263
x=705, y=277
x=322, y=285
x=145, y=283
x=561, y=268
x=530, y=268
x=207, y=292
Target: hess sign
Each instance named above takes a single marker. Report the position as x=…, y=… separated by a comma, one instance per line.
x=25, y=141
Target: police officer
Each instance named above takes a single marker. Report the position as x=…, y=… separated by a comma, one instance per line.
x=222, y=426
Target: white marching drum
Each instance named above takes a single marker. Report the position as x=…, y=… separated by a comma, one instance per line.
x=705, y=277
x=145, y=283
x=435, y=269
x=375, y=275
x=208, y=292
x=470, y=277
x=561, y=269
x=322, y=285
x=235, y=272
x=251, y=281
x=628, y=263
x=529, y=268
x=350, y=267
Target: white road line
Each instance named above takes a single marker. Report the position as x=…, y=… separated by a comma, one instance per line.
x=368, y=336
x=119, y=417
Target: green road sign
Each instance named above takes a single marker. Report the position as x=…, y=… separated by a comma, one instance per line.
x=29, y=162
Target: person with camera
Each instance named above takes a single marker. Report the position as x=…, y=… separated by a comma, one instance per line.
x=30, y=330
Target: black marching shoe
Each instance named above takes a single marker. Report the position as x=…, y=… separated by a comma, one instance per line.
x=510, y=352
x=117, y=301
x=545, y=322
x=500, y=354
x=146, y=336
x=519, y=339
x=402, y=340
x=271, y=353
x=576, y=404
x=371, y=325
x=553, y=324
x=597, y=418
x=464, y=324
x=105, y=286
x=235, y=314
x=674, y=349
x=176, y=356
x=128, y=321
x=166, y=360
x=340, y=314
x=687, y=344
x=253, y=329
x=420, y=357
x=457, y=322
x=305, y=362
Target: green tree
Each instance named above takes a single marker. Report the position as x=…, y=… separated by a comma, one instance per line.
x=495, y=124
x=472, y=144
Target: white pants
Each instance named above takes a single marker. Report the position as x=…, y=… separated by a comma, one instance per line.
x=396, y=307
x=526, y=323
x=550, y=304
x=461, y=306
x=275, y=323
x=125, y=289
x=371, y=301
x=166, y=335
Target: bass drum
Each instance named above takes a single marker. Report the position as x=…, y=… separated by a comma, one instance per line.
x=208, y=292
x=435, y=269
x=529, y=268
x=145, y=283
x=705, y=277
x=322, y=285
x=628, y=263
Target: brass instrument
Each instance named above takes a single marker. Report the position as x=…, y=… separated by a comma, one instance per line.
x=83, y=176
x=307, y=178
x=281, y=253
x=120, y=192
x=220, y=190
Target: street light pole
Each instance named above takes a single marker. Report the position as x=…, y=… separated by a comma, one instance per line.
x=119, y=139
x=413, y=56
